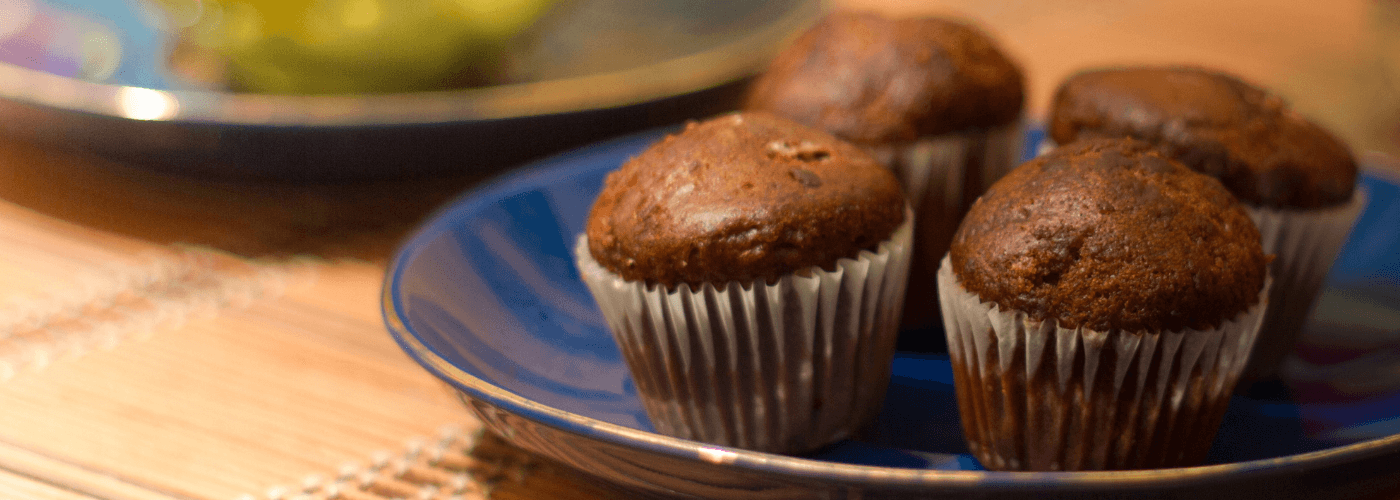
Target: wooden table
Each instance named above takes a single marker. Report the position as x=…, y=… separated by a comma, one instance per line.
x=176, y=338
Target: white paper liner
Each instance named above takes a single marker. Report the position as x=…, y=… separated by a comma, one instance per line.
x=942, y=175
x=953, y=168
x=1034, y=396
x=1305, y=243
x=786, y=367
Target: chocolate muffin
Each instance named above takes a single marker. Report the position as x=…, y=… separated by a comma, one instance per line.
x=1264, y=153
x=752, y=272
x=1297, y=180
x=741, y=198
x=875, y=80
x=935, y=99
x=1100, y=302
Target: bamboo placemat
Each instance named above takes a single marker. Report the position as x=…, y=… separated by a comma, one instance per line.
x=167, y=338
x=195, y=373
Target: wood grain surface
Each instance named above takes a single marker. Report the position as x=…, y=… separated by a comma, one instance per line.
x=165, y=337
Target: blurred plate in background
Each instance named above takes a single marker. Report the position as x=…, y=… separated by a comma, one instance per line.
x=83, y=77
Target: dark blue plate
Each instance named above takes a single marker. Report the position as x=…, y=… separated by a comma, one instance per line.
x=486, y=297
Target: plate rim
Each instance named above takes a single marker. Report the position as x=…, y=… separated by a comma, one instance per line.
x=541, y=172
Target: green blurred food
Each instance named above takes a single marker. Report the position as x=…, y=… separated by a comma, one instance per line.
x=354, y=46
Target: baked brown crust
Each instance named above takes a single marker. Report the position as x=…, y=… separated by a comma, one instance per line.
x=738, y=198
x=1215, y=123
x=869, y=79
x=1111, y=235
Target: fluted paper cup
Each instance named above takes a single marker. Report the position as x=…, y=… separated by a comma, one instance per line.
x=1304, y=244
x=1035, y=396
x=953, y=168
x=783, y=367
x=942, y=175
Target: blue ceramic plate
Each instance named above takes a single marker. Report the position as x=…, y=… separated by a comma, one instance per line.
x=486, y=297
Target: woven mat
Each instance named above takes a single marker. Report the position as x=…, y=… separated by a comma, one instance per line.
x=141, y=371
x=249, y=362
x=194, y=373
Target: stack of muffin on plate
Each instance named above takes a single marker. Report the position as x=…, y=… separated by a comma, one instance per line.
x=1296, y=179
x=933, y=99
x=1100, y=302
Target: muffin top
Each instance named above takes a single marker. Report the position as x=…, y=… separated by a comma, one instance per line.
x=1111, y=235
x=870, y=79
x=738, y=198
x=1262, y=151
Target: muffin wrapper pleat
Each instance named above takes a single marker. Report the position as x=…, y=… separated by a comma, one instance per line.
x=947, y=172
x=1035, y=396
x=1304, y=244
x=942, y=175
x=785, y=367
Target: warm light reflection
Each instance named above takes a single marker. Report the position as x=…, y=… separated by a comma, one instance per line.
x=717, y=455
x=146, y=104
